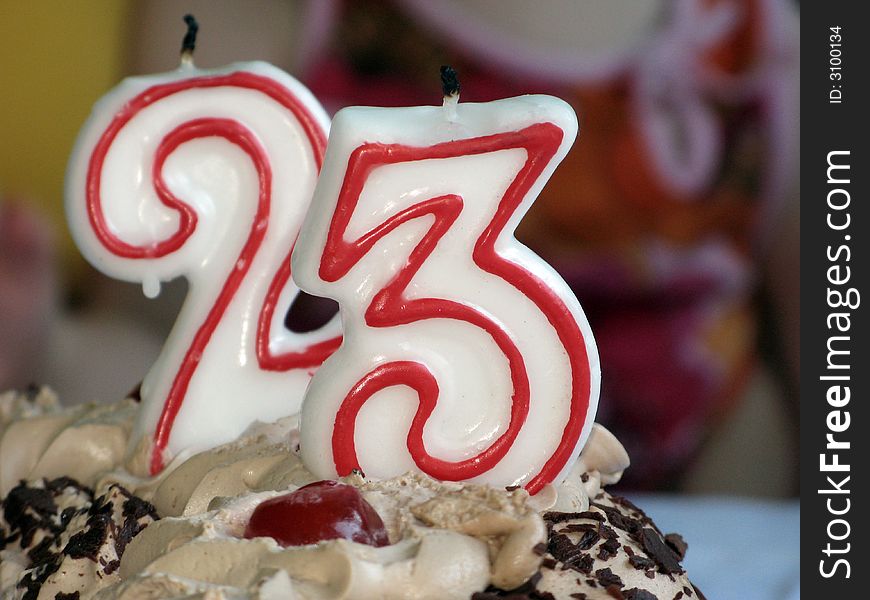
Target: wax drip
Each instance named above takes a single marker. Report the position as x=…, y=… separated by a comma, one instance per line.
x=188, y=44
x=150, y=286
x=450, y=88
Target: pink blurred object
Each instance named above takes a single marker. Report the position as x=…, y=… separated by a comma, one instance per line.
x=27, y=291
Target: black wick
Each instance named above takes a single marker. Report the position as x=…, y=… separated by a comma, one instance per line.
x=188, y=44
x=449, y=81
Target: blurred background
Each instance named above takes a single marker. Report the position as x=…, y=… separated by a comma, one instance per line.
x=675, y=217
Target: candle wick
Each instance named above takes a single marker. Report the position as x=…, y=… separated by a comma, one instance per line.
x=188, y=44
x=450, y=88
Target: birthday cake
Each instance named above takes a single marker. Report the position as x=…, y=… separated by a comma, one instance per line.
x=75, y=523
x=436, y=443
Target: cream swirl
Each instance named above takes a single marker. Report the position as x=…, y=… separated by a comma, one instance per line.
x=38, y=438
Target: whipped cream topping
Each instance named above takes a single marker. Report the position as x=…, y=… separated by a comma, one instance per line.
x=39, y=439
x=448, y=540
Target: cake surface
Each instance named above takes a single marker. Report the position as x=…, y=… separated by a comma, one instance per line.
x=85, y=526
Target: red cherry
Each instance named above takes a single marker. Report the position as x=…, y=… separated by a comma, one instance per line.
x=324, y=510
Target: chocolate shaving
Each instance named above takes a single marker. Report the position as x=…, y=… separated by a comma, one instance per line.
x=607, y=532
x=655, y=547
x=22, y=497
x=607, y=578
x=137, y=508
x=563, y=549
x=578, y=528
x=591, y=514
x=623, y=501
x=641, y=563
x=111, y=566
x=527, y=591
x=42, y=553
x=589, y=539
x=87, y=543
x=33, y=579
x=608, y=549
x=59, y=484
x=584, y=564
x=561, y=517
x=639, y=594
x=676, y=543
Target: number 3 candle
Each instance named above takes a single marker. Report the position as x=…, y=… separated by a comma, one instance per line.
x=207, y=175
x=465, y=356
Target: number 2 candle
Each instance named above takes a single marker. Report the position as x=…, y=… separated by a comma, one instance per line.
x=206, y=175
x=465, y=356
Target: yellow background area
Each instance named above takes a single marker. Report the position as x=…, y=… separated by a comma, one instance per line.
x=56, y=59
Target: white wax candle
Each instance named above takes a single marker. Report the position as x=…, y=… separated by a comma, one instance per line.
x=465, y=355
x=206, y=175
